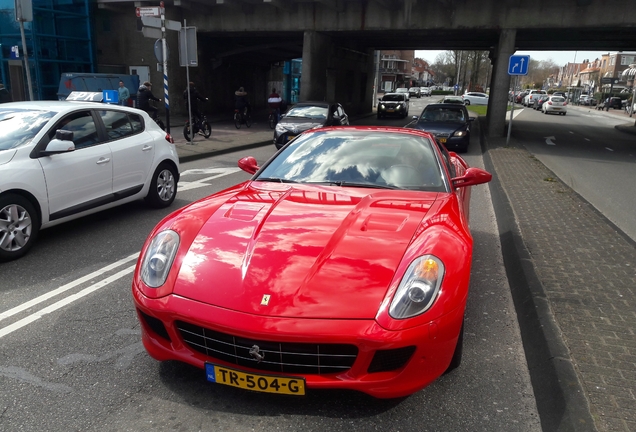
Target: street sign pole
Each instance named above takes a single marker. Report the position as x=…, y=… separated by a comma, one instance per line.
x=165, y=66
x=188, y=87
x=517, y=65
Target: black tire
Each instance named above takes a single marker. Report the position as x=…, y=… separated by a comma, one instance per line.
x=457, y=355
x=248, y=120
x=466, y=102
x=272, y=121
x=207, y=129
x=186, y=132
x=21, y=231
x=563, y=113
x=237, y=120
x=163, y=186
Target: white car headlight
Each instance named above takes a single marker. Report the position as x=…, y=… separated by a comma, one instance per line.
x=419, y=288
x=158, y=258
x=280, y=129
x=459, y=133
x=399, y=107
x=381, y=106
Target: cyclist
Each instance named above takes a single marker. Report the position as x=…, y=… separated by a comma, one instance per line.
x=274, y=101
x=194, y=93
x=144, y=96
x=240, y=101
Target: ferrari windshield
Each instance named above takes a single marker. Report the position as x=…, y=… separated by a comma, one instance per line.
x=19, y=126
x=381, y=159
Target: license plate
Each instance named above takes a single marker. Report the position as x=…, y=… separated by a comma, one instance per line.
x=442, y=140
x=255, y=382
x=390, y=110
x=290, y=137
x=556, y=108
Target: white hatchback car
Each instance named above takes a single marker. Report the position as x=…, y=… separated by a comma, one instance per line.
x=62, y=160
x=555, y=104
x=475, y=98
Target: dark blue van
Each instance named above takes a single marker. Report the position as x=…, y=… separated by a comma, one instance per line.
x=95, y=82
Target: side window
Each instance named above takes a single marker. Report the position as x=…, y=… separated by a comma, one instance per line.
x=82, y=125
x=136, y=122
x=117, y=124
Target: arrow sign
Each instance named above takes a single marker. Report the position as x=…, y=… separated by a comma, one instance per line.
x=548, y=140
x=518, y=65
x=150, y=21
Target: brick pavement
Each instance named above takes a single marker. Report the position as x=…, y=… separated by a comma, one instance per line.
x=578, y=272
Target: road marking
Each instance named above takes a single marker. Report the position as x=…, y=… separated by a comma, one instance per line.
x=548, y=140
x=607, y=148
x=572, y=132
x=64, y=302
x=587, y=139
x=66, y=287
x=217, y=172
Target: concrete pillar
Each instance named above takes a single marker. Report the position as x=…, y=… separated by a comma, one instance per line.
x=313, y=81
x=500, y=83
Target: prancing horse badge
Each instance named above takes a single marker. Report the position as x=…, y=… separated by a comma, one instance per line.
x=265, y=300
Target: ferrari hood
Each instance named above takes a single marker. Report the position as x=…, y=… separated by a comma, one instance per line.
x=298, y=251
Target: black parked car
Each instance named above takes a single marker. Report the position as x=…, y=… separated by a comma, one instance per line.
x=308, y=115
x=610, y=102
x=449, y=123
x=393, y=104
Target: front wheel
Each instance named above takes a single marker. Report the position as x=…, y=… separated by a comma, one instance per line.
x=19, y=226
x=237, y=120
x=207, y=130
x=186, y=132
x=248, y=120
x=163, y=186
x=467, y=102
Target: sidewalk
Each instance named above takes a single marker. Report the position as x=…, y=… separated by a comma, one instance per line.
x=572, y=274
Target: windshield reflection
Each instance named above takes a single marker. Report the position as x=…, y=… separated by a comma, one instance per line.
x=19, y=126
x=358, y=158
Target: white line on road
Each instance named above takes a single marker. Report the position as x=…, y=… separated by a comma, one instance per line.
x=587, y=139
x=607, y=148
x=218, y=172
x=66, y=287
x=64, y=302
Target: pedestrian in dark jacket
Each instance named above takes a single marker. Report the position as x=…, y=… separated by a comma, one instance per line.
x=144, y=96
x=195, y=95
x=240, y=100
x=5, y=96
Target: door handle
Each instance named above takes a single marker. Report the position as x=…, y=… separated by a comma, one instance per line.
x=146, y=148
x=102, y=161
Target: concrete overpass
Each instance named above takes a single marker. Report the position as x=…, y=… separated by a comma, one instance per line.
x=336, y=38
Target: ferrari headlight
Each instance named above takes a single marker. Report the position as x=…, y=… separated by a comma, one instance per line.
x=459, y=133
x=419, y=288
x=280, y=129
x=158, y=258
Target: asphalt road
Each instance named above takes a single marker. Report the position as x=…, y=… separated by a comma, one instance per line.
x=74, y=361
x=587, y=153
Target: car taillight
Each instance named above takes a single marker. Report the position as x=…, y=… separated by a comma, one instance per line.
x=169, y=138
x=565, y=103
x=549, y=103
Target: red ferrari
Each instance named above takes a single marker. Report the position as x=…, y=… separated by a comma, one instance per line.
x=343, y=263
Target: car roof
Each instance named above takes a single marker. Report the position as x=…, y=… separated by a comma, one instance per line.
x=446, y=106
x=315, y=103
x=63, y=106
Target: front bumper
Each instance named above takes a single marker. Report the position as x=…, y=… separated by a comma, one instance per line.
x=433, y=343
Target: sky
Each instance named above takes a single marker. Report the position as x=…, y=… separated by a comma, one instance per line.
x=559, y=57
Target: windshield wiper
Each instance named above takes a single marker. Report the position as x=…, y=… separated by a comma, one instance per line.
x=275, y=179
x=354, y=184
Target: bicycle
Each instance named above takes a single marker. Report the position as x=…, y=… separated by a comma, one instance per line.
x=273, y=118
x=153, y=115
x=242, y=118
x=201, y=126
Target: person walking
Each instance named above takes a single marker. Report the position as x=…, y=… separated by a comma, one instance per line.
x=124, y=94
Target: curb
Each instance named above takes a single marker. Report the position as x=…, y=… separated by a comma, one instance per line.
x=559, y=395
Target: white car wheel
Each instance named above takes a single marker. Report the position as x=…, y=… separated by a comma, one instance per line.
x=19, y=226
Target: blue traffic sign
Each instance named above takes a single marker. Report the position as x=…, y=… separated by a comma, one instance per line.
x=110, y=96
x=518, y=65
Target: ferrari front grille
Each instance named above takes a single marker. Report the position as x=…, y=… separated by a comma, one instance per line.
x=284, y=357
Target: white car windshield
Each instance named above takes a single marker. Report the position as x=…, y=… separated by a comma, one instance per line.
x=19, y=126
